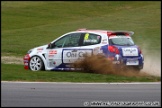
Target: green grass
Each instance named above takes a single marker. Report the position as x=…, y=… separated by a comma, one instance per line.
x=28, y=24
x=13, y=72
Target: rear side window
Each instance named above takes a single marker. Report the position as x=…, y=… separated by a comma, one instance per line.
x=91, y=39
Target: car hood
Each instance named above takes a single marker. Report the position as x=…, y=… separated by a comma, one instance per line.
x=40, y=48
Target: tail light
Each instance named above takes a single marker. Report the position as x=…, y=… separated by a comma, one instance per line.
x=113, y=49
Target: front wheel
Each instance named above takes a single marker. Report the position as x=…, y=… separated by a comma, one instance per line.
x=36, y=63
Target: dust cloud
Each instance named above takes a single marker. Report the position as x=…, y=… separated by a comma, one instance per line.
x=99, y=64
x=152, y=60
x=152, y=65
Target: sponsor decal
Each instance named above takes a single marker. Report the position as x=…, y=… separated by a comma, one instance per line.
x=117, y=56
x=130, y=51
x=50, y=56
x=39, y=50
x=70, y=56
x=132, y=62
x=52, y=52
x=26, y=60
x=74, y=54
x=104, y=42
x=26, y=64
x=91, y=41
x=86, y=36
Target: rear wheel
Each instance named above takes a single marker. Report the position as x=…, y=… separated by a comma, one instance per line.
x=129, y=68
x=135, y=68
x=36, y=63
x=138, y=68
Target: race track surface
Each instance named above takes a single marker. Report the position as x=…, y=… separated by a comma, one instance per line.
x=28, y=94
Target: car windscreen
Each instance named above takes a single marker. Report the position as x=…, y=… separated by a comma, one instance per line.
x=122, y=41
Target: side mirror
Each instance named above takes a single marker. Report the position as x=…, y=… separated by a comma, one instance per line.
x=49, y=46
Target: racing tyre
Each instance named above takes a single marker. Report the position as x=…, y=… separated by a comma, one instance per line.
x=36, y=64
x=139, y=68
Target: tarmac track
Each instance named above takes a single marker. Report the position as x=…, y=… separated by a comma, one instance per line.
x=52, y=94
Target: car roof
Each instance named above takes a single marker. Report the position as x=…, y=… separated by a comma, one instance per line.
x=106, y=31
x=98, y=31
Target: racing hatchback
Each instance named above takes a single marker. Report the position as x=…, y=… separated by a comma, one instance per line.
x=116, y=46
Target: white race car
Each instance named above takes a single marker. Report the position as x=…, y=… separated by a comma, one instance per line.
x=117, y=46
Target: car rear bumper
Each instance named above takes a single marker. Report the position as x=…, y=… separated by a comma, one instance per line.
x=137, y=62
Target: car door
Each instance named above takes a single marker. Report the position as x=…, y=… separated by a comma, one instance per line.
x=63, y=51
x=90, y=43
x=70, y=53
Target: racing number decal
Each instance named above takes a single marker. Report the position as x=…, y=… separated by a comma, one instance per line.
x=86, y=36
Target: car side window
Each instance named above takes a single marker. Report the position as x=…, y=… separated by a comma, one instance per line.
x=91, y=39
x=70, y=40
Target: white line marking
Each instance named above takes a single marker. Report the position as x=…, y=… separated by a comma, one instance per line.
x=84, y=83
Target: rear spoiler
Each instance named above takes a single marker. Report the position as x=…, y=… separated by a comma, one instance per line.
x=130, y=33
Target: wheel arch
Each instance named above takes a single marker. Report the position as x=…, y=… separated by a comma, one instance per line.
x=43, y=58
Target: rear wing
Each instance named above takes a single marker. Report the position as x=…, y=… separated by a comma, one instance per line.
x=128, y=33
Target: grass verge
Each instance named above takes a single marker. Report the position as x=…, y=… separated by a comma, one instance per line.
x=14, y=72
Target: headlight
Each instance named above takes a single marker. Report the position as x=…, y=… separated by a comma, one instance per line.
x=30, y=51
